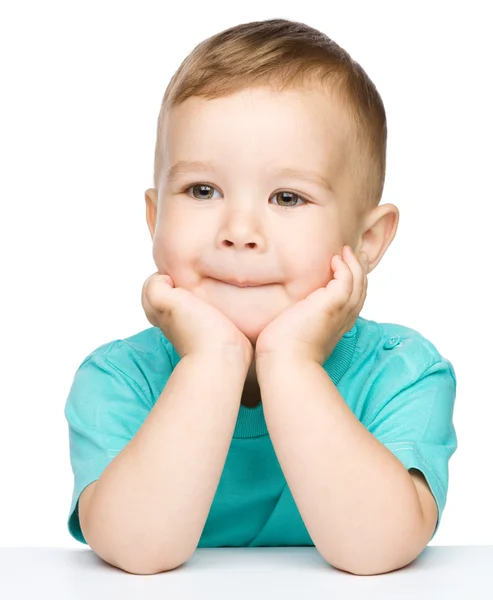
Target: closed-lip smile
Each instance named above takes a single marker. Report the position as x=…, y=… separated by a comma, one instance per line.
x=242, y=284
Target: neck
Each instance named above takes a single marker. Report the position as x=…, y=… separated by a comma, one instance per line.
x=251, y=389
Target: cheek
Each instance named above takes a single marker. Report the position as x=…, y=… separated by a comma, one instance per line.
x=166, y=250
x=305, y=273
x=310, y=263
x=175, y=256
x=320, y=272
x=317, y=258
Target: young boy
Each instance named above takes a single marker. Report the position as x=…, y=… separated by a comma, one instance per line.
x=261, y=409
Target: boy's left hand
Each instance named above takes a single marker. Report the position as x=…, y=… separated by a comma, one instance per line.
x=311, y=328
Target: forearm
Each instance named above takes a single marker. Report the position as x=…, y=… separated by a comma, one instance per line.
x=358, y=501
x=151, y=502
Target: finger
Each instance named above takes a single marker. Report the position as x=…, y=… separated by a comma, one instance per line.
x=342, y=272
x=164, y=277
x=359, y=277
x=341, y=285
x=158, y=287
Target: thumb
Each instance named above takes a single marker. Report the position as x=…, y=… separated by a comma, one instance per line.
x=168, y=280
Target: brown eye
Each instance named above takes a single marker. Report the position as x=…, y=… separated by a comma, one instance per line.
x=289, y=197
x=202, y=189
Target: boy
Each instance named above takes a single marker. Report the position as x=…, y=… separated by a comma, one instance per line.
x=261, y=409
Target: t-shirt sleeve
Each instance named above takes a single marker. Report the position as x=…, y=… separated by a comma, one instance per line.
x=104, y=409
x=415, y=422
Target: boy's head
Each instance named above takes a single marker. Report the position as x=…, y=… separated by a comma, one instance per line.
x=259, y=106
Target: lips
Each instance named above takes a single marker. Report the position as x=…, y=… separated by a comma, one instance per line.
x=242, y=283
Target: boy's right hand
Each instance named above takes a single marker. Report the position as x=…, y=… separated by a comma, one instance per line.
x=189, y=323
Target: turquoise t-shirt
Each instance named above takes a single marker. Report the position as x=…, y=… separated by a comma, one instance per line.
x=393, y=379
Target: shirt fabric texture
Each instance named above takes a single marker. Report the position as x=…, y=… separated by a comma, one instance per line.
x=393, y=379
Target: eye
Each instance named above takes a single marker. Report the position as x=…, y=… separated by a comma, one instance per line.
x=287, y=198
x=204, y=188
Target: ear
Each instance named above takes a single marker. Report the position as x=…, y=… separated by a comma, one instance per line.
x=378, y=230
x=151, y=209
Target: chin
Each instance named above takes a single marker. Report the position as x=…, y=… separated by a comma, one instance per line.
x=250, y=314
x=251, y=326
x=250, y=331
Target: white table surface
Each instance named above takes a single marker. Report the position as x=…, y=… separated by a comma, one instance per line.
x=448, y=572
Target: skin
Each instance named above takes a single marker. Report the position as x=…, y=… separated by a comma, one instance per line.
x=251, y=222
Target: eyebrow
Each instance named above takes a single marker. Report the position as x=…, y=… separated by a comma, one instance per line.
x=185, y=166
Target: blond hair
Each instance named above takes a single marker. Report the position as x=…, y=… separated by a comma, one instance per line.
x=283, y=53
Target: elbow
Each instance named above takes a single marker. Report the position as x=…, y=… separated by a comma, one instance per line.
x=133, y=554
x=143, y=567
x=131, y=550
x=377, y=560
x=139, y=563
x=375, y=563
x=367, y=569
x=382, y=552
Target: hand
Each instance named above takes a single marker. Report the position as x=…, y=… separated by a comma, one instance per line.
x=189, y=323
x=311, y=328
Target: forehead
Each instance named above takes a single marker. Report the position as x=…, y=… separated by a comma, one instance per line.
x=263, y=109
x=299, y=128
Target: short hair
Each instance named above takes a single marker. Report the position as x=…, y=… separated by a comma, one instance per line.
x=288, y=54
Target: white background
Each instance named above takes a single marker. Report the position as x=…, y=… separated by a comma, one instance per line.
x=81, y=88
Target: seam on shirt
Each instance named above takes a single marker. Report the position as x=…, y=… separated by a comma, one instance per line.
x=112, y=364
x=171, y=361
x=360, y=350
x=412, y=446
x=378, y=409
x=435, y=400
x=408, y=333
x=126, y=375
x=141, y=353
x=94, y=459
x=158, y=347
x=95, y=353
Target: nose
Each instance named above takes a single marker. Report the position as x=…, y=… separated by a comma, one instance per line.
x=243, y=230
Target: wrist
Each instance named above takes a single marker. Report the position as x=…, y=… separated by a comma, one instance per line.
x=234, y=358
x=281, y=362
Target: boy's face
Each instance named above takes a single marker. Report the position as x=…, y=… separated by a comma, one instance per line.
x=253, y=224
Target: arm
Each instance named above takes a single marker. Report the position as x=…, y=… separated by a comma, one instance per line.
x=358, y=501
x=148, y=509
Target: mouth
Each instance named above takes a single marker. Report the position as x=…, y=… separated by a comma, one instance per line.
x=242, y=284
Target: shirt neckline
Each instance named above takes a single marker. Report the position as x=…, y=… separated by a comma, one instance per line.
x=251, y=423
